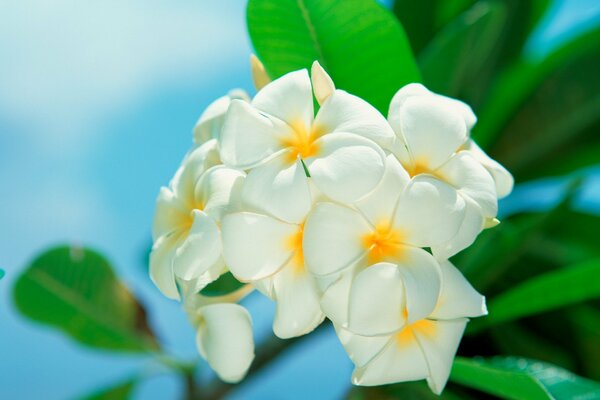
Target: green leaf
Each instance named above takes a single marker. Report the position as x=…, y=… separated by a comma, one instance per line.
x=522, y=379
x=120, y=391
x=1, y=273
x=224, y=285
x=456, y=54
x=543, y=293
x=358, y=42
x=76, y=291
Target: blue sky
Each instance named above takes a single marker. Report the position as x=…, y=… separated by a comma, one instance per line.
x=97, y=103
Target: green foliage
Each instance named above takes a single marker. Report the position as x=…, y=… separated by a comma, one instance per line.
x=224, y=285
x=120, y=391
x=1, y=273
x=76, y=291
x=522, y=379
x=358, y=42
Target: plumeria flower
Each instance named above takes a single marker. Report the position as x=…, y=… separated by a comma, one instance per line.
x=281, y=142
x=432, y=135
x=210, y=123
x=187, y=242
x=224, y=335
x=267, y=251
x=423, y=349
x=390, y=224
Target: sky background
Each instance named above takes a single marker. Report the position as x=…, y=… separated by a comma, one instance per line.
x=97, y=103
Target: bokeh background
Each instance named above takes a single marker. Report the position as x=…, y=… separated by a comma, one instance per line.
x=97, y=102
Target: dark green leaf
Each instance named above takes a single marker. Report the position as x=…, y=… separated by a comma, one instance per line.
x=546, y=292
x=1, y=273
x=121, y=391
x=358, y=42
x=222, y=286
x=76, y=291
x=460, y=50
x=522, y=379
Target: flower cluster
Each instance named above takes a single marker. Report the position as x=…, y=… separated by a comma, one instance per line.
x=339, y=213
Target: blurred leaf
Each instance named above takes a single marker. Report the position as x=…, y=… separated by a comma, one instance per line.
x=459, y=51
x=1, y=273
x=222, y=286
x=121, y=391
x=546, y=292
x=422, y=19
x=522, y=379
x=358, y=42
x=518, y=83
x=76, y=290
x=405, y=391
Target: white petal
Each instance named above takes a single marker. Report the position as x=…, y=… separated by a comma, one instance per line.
x=225, y=338
x=259, y=74
x=458, y=299
x=379, y=205
x=503, y=180
x=343, y=112
x=216, y=189
x=410, y=90
x=334, y=300
x=200, y=250
x=470, y=227
x=288, y=98
x=361, y=349
x=333, y=238
x=469, y=177
x=377, y=301
x=255, y=246
x=171, y=214
x=210, y=123
x=161, y=264
x=250, y=137
x=348, y=166
x=433, y=130
x=399, y=361
x=278, y=188
x=322, y=84
x=422, y=278
x=193, y=165
x=439, y=346
x=429, y=211
x=298, y=311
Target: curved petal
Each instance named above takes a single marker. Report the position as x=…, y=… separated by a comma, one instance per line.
x=298, y=311
x=333, y=238
x=217, y=188
x=469, y=177
x=200, y=250
x=161, y=264
x=250, y=137
x=349, y=166
x=377, y=301
x=279, y=189
x=458, y=299
x=255, y=246
x=225, y=340
x=503, y=179
x=433, y=130
x=210, y=123
x=429, y=212
x=322, y=83
x=405, y=92
x=439, y=346
x=401, y=360
x=471, y=226
x=193, y=165
x=344, y=112
x=171, y=214
x=422, y=279
x=361, y=349
x=288, y=98
x=379, y=205
x=334, y=300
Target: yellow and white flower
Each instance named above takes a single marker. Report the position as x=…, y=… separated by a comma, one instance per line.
x=210, y=123
x=421, y=349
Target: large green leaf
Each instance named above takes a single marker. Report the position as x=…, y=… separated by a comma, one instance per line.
x=76, y=291
x=546, y=292
x=522, y=379
x=120, y=391
x=454, y=58
x=359, y=42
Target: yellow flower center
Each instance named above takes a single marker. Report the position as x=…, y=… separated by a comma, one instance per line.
x=302, y=142
x=407, y=335
x=294, y=243
x=383, y=243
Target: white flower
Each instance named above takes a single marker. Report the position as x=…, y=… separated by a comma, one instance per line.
x=423, y=349
x=210, y=123
x=432, y=132
x=267, y=251
x=390, y=224
x=277, y=136
x=186, y=235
